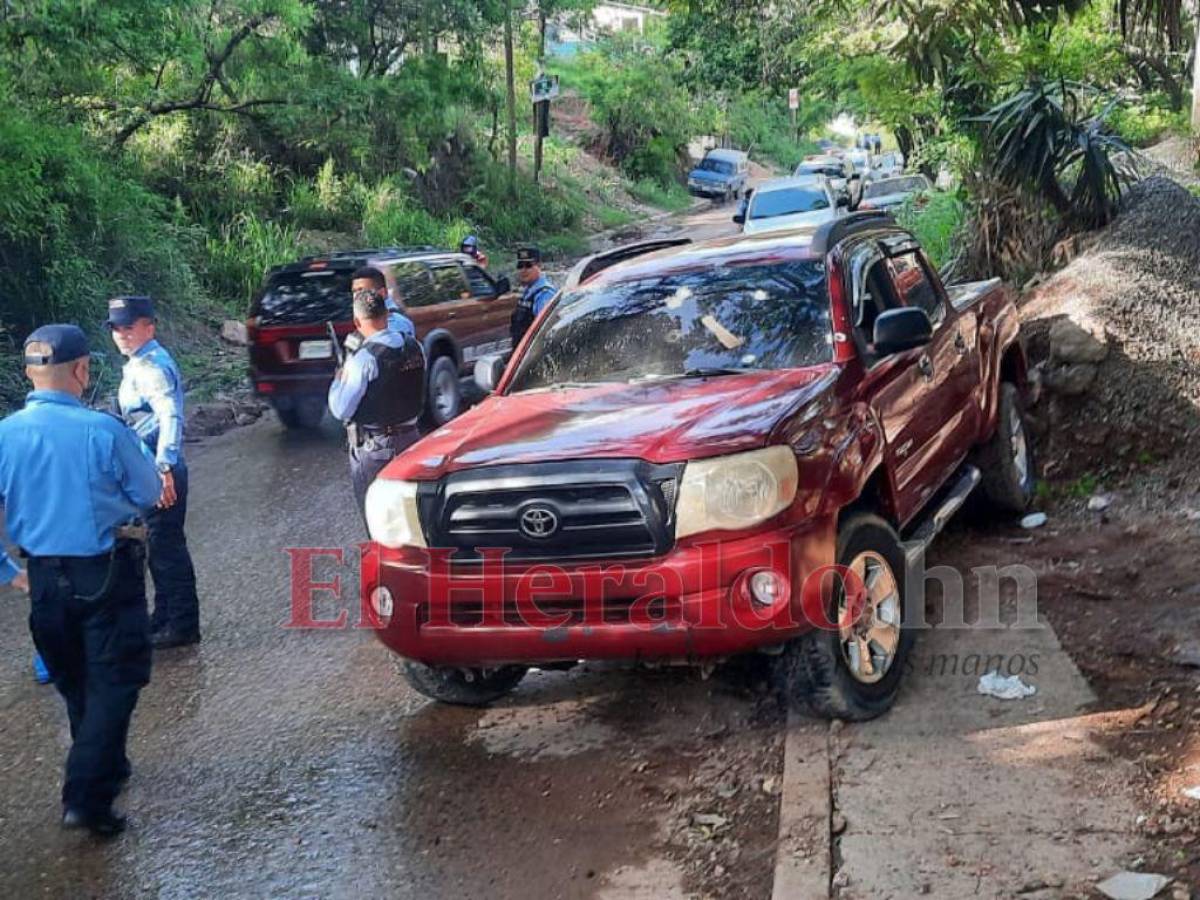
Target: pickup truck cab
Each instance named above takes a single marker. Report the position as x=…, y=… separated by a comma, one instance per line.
x=460, y=312
x=701, y=450
x=722, y=174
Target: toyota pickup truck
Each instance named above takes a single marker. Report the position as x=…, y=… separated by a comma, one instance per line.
x=702, y=450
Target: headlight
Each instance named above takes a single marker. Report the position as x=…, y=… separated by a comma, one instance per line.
x=392, y=517
x=730, y=493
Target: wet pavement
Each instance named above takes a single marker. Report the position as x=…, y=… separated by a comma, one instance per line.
x=270, y=761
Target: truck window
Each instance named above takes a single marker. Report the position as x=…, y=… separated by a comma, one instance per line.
x=481, y=285
x=449, y=283
x=414, y=284
x=296, y=298
x=914, y=285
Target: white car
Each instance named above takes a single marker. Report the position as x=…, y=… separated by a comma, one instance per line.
x=790, y=203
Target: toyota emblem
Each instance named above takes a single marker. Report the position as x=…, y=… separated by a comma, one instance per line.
x=539, y=522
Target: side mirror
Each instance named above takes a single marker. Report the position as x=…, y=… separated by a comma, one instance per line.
x=488, y=371
x=897, y=330
x=843, y=200
x=739, y=217
x=503, y=285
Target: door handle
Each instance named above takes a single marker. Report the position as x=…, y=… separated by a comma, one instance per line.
x=451, y=314
x=960, y=342
x=925, y=364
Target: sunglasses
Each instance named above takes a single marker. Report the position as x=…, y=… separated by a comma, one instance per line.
x=363, y=294
x=526, y=264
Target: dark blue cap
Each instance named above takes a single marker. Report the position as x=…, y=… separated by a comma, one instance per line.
x=127, y=310
x=529, y=255
x=470, y=242
x=54, y=344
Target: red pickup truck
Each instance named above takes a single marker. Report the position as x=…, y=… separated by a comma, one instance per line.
x=701, y=450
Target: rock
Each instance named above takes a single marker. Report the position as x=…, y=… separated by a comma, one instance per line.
x=1099, y=502
x=1193, y=792
x=709, y=820
x=1179, y=892
x=1071, y=380
x=1071, y=344
x=1133, y=886
x=841, y=879
x=838, y=824
x=234, y=332
x=244, y=419
x=1187, y=654
x=1034, y=520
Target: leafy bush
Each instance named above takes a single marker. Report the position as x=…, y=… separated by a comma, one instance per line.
x=392, y=218
x=936, y=220
x=761, y=125
x=1144, y=122
x=329, y=201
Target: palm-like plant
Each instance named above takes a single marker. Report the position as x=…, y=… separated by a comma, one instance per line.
x=1052, y=140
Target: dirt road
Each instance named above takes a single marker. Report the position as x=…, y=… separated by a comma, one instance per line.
x=279, y=762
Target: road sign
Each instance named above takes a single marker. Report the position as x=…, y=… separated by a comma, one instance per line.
x=543, y=88
x=794, y=98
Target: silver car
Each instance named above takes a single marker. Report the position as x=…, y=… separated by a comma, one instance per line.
x=791, y=203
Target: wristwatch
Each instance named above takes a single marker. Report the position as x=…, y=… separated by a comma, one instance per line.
x=164, y=468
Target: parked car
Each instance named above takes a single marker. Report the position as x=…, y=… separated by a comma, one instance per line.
x=790, y=202
x=892, y=193
x=888, y=165
x=459, y=310
x=838, y=169
x=722, y=174
x=688, y=441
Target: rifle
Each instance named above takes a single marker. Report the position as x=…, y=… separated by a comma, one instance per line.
x=338, y=353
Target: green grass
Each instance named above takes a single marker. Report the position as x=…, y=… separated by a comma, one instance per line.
x=672, y=199
x=611, y=217
x=935, y=219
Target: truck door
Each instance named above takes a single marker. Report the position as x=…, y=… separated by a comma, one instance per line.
x=945, y=417
x=891, y=385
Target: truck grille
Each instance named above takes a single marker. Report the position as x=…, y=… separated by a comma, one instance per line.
x=554, y=511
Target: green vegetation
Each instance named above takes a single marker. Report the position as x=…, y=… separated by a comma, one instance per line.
x=935, y=219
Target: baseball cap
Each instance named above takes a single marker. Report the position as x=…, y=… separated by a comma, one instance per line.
x=529, y=255
x=65, y=343
x=127, y=310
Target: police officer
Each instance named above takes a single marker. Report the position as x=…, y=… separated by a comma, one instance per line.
x=368, y=278
x=70, y=480
x=537, y=292
x=470, y=246
x=151, y=401
x=378, y=392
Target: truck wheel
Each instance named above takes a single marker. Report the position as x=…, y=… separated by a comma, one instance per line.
x=306, y=413
x=462, y=687
x=853, y=670
x=443, y=399
x=1007, y=462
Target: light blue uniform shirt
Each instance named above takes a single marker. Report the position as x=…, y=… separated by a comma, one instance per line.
x=151, y=401
x=398, y=321
x=360, y=370
x=540, y=292
x=68, y=477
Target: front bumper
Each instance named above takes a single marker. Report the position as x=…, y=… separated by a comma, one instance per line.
x=688, y=604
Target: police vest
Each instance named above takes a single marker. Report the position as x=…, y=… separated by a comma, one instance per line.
x=397, y=394
x=523, y=315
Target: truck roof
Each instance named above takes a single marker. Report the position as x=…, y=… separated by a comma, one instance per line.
x=801, y=243
x=353, y=259
x=725, y=155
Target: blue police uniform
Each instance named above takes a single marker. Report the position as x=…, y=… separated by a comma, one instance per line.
x=70, y=479
x=536, y=296
x=151, y=401
x=379, y=391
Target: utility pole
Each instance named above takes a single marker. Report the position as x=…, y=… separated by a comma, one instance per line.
x=512, y=98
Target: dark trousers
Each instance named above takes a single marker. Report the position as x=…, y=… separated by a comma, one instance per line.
x=369, y=459
x=175, y=602
x=89, y=623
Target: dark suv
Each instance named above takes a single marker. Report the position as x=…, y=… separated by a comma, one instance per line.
x=460, y=311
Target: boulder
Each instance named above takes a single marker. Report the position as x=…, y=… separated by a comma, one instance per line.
x=1071, y=380
x=234, y=332
x=1069, y=343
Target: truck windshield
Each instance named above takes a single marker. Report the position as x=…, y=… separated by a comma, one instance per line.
x=829, y=171
x=729, y=318
x=788, y=202
x=909, y=185
x=716, y=165
x=296, y=298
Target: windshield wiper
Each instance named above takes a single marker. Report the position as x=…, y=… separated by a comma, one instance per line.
x=697, y=372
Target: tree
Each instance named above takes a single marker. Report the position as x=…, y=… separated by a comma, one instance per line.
x=511, y=94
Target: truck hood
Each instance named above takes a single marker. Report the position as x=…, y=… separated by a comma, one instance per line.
x=706, y=175
x=662, y=422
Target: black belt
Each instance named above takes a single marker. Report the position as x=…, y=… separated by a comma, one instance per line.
x=126, y=538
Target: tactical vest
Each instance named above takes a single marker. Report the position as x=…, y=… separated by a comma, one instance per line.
x=397, y=394
x=522, y=314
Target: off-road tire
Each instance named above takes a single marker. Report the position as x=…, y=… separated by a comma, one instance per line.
x=1002, y=484
x=451, y=685
x=442, y=372
x=812, y=671
x=306, y=415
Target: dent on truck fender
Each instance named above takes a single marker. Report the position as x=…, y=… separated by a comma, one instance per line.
x=856, y=455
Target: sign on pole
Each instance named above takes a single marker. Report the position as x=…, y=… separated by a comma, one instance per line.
x=543, y=88
x=794, y=98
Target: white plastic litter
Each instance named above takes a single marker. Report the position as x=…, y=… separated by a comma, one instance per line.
x=1193, y=792
x=1034, y=520
x=1100, y=502
x=993, y=684
x=1133, y=886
